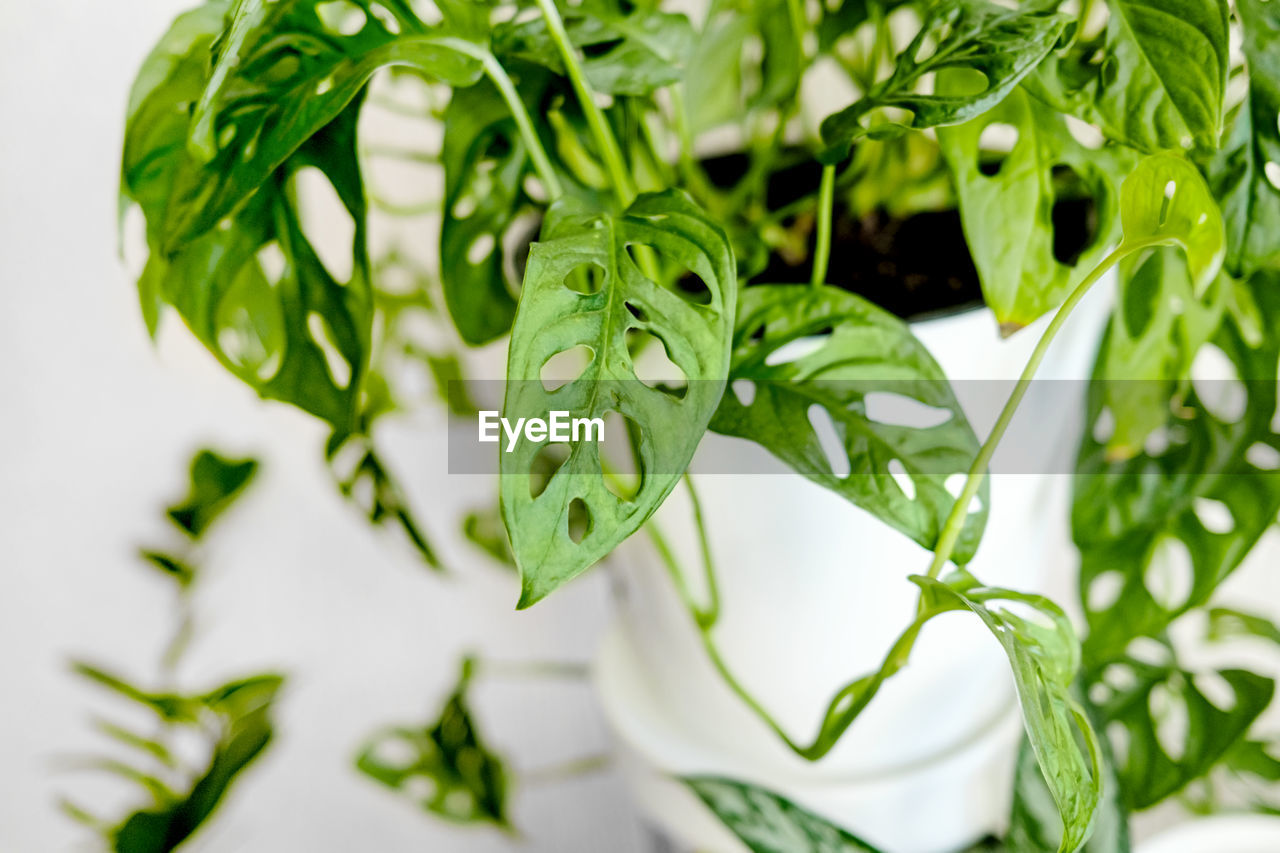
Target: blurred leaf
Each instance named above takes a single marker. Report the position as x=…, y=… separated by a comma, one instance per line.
x=1126, y=514
x=172, y=566
x=444, y=766
x=368, y=484
x=860, y=350
x=999, y=43
x=483, y=528
x=1174, y=733
x=1250, y=197
x=216, y=482
x=766, y=823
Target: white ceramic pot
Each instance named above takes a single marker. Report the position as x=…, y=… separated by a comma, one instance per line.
x=1226, y=834
x=813, y=593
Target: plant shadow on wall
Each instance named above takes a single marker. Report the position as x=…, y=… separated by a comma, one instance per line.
x=1129, y=124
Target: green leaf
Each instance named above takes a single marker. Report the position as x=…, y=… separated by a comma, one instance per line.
x=767, y=823
x=1008, y=216
x=1045, y=656
x=181, y=571
x=216, y=482
x=1162, y=752
x=626, y=53
x=276, y=86
x=1165, y=202
x=484, y=163
x=464, y=781
x=1250, y=197
x=368, y=483
x=584, y=288
x=245, y=729
x=1001, y=45
x=1154, y=80
x=1035, y=824
x=860, y=350
x=1184, y=42
x=1129, y=516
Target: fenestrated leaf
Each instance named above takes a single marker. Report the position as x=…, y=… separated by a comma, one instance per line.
x=629, y=52
x=484, y=163
x=444, y=766
x=1045, y=655
x=1250, y=197
x=1124, y=513
x=858, y=350
x=1165, y=202
x=1001, y=45
x=767, y=823
x=1162, y=753
x=216, y=482
x=1008, y=216
x=291, y=74
x=612, y=298
x=1159, y=326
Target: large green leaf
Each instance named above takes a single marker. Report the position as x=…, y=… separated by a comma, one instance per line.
x=1250, y=196
x=1211, y=489
x=853, y=350
x=584, y=288
x=1000, y=44
x=1154, y=79
x=1008, y=216
x=1165, y=202
x=289, y=76
x=1045, y=657
x=1173, y=732
x=444, y=766
x=767, y=823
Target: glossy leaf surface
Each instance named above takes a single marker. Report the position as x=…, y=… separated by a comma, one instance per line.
x=767, y=823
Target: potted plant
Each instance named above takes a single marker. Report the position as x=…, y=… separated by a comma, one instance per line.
x=713, y=257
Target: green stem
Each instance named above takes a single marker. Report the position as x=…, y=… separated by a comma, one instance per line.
x=566, y=770
x=978, y=470
x=623, y=187
x=532, y=669
x=822, y=252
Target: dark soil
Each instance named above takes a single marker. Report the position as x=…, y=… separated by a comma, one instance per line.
x=915, y=267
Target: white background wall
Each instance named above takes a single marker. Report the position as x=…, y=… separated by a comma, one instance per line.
x=96, y=427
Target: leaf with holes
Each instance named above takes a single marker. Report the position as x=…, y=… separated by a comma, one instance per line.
x=856, y=355
x=254, y=290
x=624, y=53
x=1158, y=326
x=767, y=823
x=484, y=163
x=444, y=766
x=1045, y=656
x=1165, y=202
x=1208, y=496
x=1008, y=216
x=295, y=69
x=1172, y=732
x=583, y=288
x=1154, y=79
x=1246, y=173
x=989, y=41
